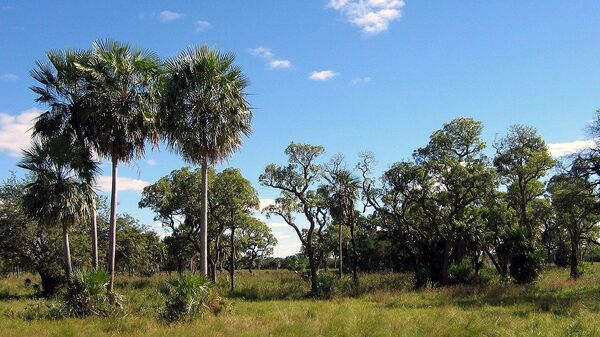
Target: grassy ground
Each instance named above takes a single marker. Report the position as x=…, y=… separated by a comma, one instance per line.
x=272, y=303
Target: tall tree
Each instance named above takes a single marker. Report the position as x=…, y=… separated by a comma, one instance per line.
x=230, y=204
x=205, y=115
x=294, y=181
x=60, y=193
x=577, y=211
x=62, y=87
x=342, y=192
x=121, y=80
x=522, y=159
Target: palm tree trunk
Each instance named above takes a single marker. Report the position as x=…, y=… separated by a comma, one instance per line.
x=113, y=227
x=340, y=272
x=204, y=219
x=232, y=260
x=94, y=237
x=67, y=250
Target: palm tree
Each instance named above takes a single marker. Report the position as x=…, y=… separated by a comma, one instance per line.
x=342, y=193
x=204, y=115
x=121, y=82
x=62, y=87
x=60, y=193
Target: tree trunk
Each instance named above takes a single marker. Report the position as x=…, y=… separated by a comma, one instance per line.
x=112, y=244
x=314, y=290
x=340, y=270
x=574, y=258
x=446, y=262
x=204, y=219
x=232, y=259
x=354, y=256
x=67, y=251
x=94, y=233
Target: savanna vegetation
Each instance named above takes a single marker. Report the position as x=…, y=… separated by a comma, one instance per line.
x=463, y=238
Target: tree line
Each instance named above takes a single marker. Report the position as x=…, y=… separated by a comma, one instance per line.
x=446, y=214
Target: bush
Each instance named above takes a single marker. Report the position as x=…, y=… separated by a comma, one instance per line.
x=86, y=294
x=526, y=266
x=189, y=296
x=326, y=284
x=561, y=257
x=462, y=273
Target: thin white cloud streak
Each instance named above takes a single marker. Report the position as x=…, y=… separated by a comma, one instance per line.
x=15, y=131
x=371, y=16
x=167, y=16
x=267, y=54
x=322, y=75
x=9, y=78
x=104, y=184
x=558, y=150
x=201, y=25
x=280, y=64
x=262, y=52
x=361, y=80
x=151, y=162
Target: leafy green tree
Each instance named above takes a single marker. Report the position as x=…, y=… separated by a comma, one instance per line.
x=204, y=116
x=295, y=181
x=522, y=159
x=26, y=244
x=60, y=193
x=62, y=87
x=121, y=80
x=256, y=241
x=231, y=201
x=577, y=213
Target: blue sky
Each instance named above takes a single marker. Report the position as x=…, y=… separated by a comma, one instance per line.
x=376, y=75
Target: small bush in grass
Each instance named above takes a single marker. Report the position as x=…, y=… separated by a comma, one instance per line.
x=86, y=295
x=326, y=284
x=188, y=297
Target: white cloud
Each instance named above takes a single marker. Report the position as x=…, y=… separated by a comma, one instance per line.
x=282, y=236
x=322, y=75
x=267, y=54
x=15, y=131
x=104, y=183
x=286, y=249
x=266, y=202
x=151, y=162
x=280, y=64
x=9, y=78
x=262, y=52
x=201, y=25
x=361, y=80
x=278, y=225
x=563, y=149
x=166, y=16
x=371, y=16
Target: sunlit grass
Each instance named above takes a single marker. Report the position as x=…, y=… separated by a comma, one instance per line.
x=275, y=303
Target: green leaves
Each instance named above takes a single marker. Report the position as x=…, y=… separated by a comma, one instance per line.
x=204, y=112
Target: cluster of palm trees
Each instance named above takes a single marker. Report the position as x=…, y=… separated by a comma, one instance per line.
x=109, y=103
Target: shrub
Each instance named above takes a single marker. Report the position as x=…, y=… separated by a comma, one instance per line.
x=462, y=273
x=86, y=294
x=561, y=257
x=526, y=266
x=326, y=284
x=189, y=296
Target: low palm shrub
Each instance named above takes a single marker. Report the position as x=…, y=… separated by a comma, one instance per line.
x=85, y=294
x=188, y=297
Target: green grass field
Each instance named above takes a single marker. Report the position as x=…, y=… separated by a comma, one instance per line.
x=273, y=303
